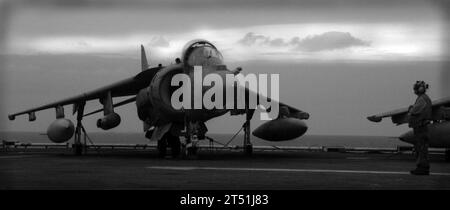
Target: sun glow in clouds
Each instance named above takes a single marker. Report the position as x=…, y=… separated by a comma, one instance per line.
x=276, y=42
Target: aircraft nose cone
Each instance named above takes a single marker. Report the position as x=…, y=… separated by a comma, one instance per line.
x=407, y=137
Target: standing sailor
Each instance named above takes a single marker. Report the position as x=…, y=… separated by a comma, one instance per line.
x=419, y=118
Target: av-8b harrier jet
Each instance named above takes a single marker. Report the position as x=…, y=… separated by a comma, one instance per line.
x=152, y=90
x=438, y=130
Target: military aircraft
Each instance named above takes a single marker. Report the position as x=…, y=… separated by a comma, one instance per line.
x=151, y=89
x=439, y=129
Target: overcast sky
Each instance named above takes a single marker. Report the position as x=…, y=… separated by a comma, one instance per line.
x=282, y=30
x=339, y=60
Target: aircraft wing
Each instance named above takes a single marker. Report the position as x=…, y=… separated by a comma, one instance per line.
x=285, y=109
x=400, y=116
x=126, y=87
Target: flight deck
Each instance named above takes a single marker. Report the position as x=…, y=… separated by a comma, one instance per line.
x=108, y=167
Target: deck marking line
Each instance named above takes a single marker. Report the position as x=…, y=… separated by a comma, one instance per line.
x=357, y=158
x=287, y=170
x=18, y=156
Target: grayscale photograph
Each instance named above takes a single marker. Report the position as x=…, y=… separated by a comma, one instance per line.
x=224, y=95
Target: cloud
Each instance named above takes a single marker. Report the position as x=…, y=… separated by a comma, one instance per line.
x=278, y=42
x=83, y=43
x=159, y=41
x=329, y=41
x=252, y=38
x=257, y=39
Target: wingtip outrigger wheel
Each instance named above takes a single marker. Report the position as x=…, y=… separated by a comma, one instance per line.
x=248, y=146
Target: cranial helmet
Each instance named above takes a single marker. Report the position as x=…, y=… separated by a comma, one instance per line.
x=419, y=84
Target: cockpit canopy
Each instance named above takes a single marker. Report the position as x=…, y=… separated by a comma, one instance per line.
x=200, y=53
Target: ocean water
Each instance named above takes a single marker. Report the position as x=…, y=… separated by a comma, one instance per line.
x=138, y=138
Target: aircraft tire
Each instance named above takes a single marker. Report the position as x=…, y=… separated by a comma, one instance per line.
x=191, y=153
x=162, y=147
x=248, y=150
x=175, y=145
x=78, y=149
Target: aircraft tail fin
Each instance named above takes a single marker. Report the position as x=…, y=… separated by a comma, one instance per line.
x=144, y=63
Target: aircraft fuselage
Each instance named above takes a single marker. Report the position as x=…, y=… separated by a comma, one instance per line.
x=439, y=135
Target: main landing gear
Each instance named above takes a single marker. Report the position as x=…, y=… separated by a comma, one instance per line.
x=171, y=141
x=195, y=131
x=79, y=147
x=189, y=146
x=248, y=146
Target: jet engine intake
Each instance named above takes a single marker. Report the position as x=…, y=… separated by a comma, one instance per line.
x=160, y=90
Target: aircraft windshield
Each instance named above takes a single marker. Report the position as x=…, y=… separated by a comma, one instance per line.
x=201, y=55
x=210, y=52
